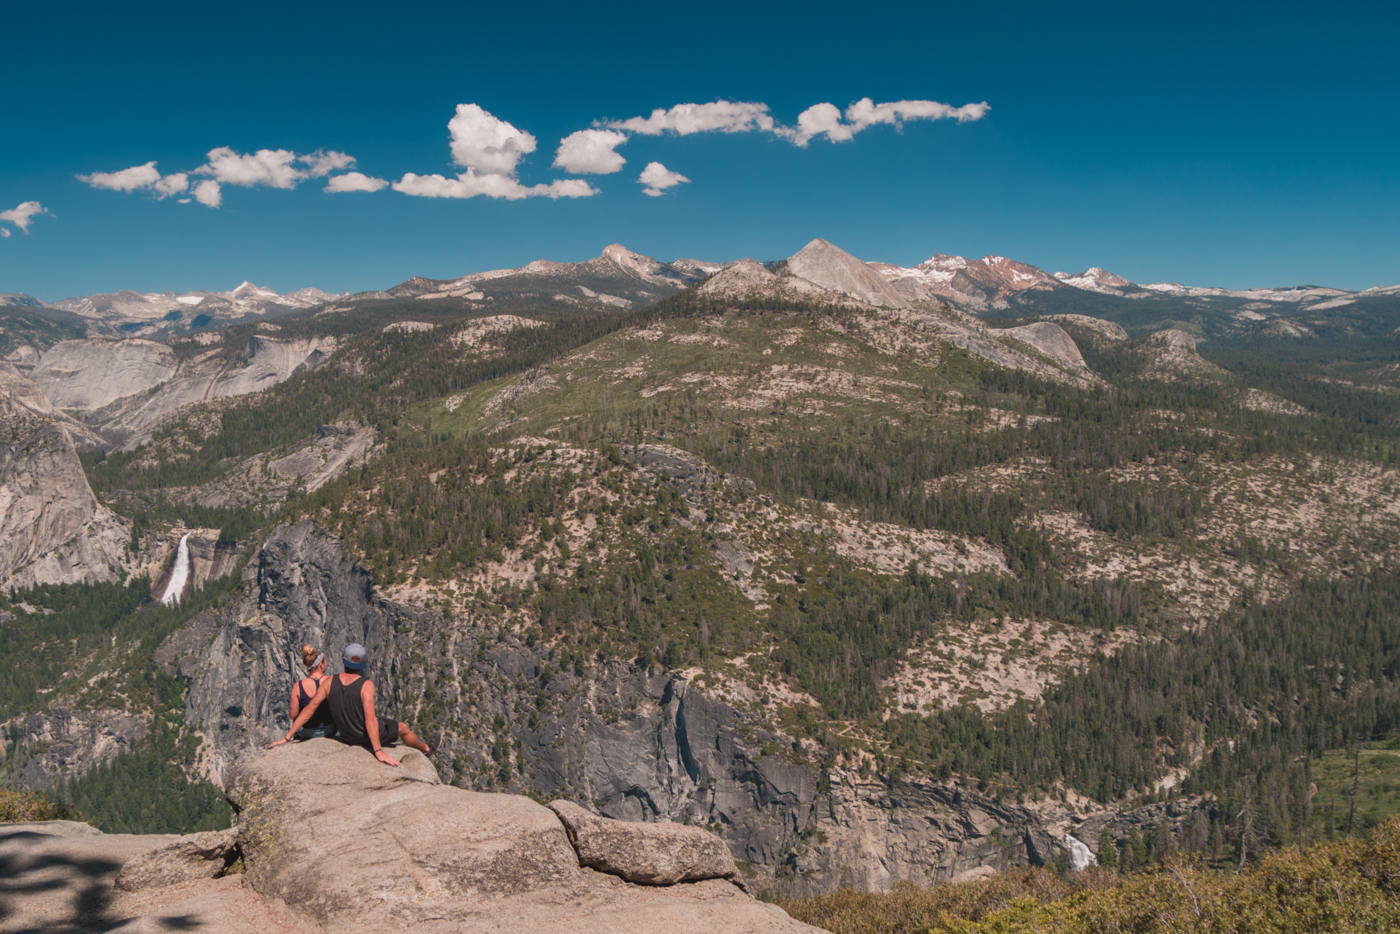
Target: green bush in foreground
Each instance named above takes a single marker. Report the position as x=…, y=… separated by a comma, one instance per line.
x=1349, y=886
x=27, y=806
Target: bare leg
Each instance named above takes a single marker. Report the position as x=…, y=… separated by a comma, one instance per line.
x=410, y=738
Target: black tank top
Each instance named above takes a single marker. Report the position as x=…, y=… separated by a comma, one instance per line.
x=348, y=709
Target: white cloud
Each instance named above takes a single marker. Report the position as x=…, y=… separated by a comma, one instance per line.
x=489, y=150
x=4, y=232
x=657, y=178
x=138, y=176
x=22, y=215
x=825, y=119
x=819, y=119
x=270, y=167
x=471, y=184
x=173, y=184
x=275, y=168
x=321, y=163
x=208, y=193
x=685, y=119
x=482, y=142
x=866, y=112
x=591, y=151
x=355, y=181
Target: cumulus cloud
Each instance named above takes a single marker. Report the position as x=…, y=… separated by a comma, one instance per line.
x=825, y=119
x=355, y=181
x=274, y=168
x=685, y=119
x=591, y=152
x=172, y=184
x=270, y=167
x=4, y=232
x=138, y=176
x=208, y=193
x=22, y=215
x=485, y=143
x=322, y=163
x=471, y=184
x=657, y=178
x=489, y=150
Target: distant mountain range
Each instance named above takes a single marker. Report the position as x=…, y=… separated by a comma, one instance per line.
x=993, y=286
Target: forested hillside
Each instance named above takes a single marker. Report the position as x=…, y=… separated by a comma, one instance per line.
x=1165, y=588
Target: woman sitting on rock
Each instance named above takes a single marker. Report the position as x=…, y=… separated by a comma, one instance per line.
x=350, y=698
x=304, y=690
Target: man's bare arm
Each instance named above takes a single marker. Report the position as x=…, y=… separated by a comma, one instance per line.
x=372, y=725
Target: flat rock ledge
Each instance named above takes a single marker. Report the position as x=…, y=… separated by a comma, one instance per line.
x=329, y=839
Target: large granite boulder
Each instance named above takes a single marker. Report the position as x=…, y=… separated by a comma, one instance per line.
x=206, y=855
x=645, y=853
x=357, y=845
x=329, y=839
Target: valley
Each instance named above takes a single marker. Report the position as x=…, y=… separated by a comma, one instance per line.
x=881, y=573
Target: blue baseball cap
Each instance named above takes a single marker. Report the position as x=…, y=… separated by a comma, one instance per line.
x=355, y=656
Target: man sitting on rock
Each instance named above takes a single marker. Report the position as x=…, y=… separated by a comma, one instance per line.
x=350, y=698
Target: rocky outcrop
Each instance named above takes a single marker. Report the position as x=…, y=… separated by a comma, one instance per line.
x=1052, y=340
x=832, y=268
x=192, y=857
x=263, y=481
x=748, y=278
x=1107, y=330
x=52, y=529
x=357, y=845
x=1001, y=347
x=129, y=387
x=329, y=839
x=645, y=853
x=58, y=744
x=86, y=375
x=1171, y=355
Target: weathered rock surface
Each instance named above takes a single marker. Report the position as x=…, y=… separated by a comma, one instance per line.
x=263, y=480
x=129, y=387
x=832, y=268
x=85, y=375
x=194, y=856
x=1171, y=355
x=1109, y=330
x=748, y=278
x=1053, y=341
x=73, y=741
x=1001, y=347
x=645, y=853
x=52, y=529
x=357, y=845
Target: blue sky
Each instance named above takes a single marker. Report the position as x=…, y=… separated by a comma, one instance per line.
x=1213, y=144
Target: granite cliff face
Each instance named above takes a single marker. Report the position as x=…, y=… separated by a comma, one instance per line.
x=635, y=744
x=52, y=529
x=130, y=387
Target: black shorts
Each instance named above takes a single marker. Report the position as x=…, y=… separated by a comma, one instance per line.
x=388, y=733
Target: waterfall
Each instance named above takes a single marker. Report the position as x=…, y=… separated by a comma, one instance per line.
x=179, y=573
x=1080, y=856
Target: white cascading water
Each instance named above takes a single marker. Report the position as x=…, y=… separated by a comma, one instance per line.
x=179, y=574
x=1080, y=856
